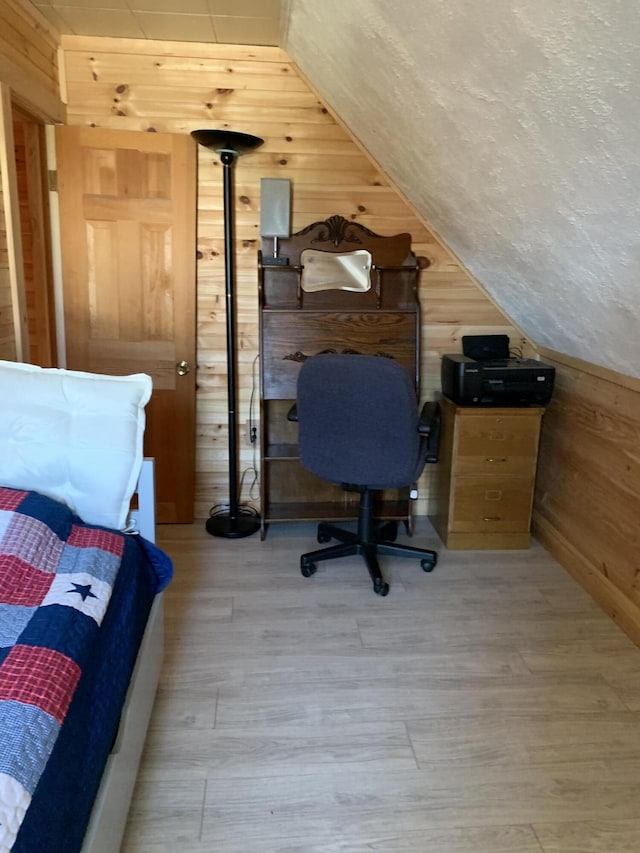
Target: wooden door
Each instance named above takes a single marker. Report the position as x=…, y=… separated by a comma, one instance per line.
x=128, y=240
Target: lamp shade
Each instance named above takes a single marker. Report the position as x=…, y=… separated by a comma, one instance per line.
x=227, y=140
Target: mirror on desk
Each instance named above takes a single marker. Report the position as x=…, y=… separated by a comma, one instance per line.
x=335, y=270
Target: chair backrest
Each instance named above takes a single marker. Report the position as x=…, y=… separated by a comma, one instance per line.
x=358, y=421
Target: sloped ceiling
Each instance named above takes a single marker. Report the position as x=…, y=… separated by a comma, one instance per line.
x=514, y=129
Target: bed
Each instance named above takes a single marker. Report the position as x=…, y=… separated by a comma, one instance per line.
x=80, y=606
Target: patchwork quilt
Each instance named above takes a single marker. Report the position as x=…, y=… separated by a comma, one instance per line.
x=56, y=579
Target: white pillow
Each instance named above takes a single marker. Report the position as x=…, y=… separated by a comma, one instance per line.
x=76, y=437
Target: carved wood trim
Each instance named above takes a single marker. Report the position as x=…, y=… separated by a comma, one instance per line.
x=336, y=229
x=299, y=357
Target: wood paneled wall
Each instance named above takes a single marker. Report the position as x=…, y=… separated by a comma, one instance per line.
x=587, y=502
x=29, y=59
x=177, y=87
x=29, y=42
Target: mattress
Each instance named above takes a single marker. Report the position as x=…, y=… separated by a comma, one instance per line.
x=74, y=599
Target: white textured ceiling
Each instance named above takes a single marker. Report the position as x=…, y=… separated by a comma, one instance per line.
x=514, y=128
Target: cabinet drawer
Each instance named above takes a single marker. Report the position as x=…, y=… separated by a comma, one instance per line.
x=491, y=504
x=498, y=436
x=500, y=464
x=290, y=337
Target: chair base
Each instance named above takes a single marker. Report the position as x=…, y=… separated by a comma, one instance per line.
x=366, y=541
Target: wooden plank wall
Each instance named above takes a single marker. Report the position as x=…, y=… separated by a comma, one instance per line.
x=587, y=502
x=29, y=59
x=178, y=87
x=27, y=41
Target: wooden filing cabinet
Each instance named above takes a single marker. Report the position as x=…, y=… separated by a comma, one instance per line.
x=486, y=476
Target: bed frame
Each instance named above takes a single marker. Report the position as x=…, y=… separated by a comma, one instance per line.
x=110, y=810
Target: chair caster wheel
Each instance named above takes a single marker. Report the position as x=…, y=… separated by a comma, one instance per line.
x=323, y=534
x=428, y=564
x=307, y=569
x=380, y=587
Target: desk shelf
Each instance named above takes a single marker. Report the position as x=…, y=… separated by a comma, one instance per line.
x=330, y=511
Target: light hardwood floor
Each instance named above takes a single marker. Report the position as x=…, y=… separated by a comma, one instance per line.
x=488, y=707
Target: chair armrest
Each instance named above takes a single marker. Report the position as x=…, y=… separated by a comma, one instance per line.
x=429, y=427
x=292, y=414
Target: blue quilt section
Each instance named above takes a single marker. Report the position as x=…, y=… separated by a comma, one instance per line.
x=74, y=600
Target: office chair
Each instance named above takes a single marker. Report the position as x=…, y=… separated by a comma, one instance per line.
x=359, y=427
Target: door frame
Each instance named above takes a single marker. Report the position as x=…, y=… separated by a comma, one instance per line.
x=17, y=87
x=35, y=222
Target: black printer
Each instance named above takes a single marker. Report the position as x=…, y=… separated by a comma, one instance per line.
x=493, y=377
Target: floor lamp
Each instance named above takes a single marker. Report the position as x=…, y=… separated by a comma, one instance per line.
x=233, y=523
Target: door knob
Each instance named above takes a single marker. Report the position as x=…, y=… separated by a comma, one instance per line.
x=182, y=368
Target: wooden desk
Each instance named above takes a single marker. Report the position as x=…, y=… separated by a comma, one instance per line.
x=295, y=325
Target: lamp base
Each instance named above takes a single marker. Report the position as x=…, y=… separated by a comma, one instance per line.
x=232, y=528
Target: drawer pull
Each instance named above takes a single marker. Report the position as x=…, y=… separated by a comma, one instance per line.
x=496, y=459
x=491, y=518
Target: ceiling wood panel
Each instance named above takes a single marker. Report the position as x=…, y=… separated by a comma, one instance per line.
x=250, y=22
